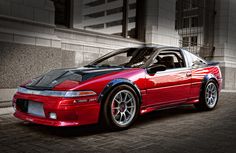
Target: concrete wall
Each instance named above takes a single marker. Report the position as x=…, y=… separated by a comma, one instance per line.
x=225, y=38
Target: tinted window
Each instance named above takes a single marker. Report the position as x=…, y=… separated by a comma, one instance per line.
x=170, y=59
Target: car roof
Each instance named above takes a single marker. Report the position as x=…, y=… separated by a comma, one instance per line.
x=157, y=47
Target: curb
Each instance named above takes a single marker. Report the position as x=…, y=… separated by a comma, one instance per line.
x=6, y=110
x=228, y=91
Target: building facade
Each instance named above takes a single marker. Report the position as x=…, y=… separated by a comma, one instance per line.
x=39, y=35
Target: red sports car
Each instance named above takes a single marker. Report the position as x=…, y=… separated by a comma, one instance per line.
x=118, y=87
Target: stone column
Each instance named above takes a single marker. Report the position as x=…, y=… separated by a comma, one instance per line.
x=160, y=23
x=76, y=14
x=225, y=38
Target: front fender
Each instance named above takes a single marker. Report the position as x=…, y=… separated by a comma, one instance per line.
x=116, y=82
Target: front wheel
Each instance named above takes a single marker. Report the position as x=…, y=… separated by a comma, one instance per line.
x=121, y=107
x=209, y=97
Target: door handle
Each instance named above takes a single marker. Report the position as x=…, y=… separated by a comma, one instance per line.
x=189, y=74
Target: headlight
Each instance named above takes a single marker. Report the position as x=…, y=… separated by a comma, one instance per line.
x=67, y=94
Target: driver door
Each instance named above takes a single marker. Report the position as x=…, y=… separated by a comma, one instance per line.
x=171, y=85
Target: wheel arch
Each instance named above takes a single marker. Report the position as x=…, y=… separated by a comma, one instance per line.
x=116, y=82
x=206, y=79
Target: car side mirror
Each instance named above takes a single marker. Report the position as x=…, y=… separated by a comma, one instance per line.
x=154, y=68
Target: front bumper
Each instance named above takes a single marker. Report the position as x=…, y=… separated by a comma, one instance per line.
x=44, y=121
x=68, y=113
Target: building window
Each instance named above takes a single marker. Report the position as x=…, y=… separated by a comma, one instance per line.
x=114, y=23
x=194, y=4
x=194, y=21
x=111, y=0
x=185, y=41
x=190, y=22
x=194, y=41
x=185, y=22
x=95, y=3
x=190, y=4
x=94, y=15
x=116, y=17
x=114, y=11
x=62, y=12
x=97, y=26
x=186, y=4
x=132, y=6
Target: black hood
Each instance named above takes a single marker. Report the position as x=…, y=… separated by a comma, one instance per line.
x=55, y=77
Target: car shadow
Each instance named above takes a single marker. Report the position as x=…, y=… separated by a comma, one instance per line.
x=88, y=130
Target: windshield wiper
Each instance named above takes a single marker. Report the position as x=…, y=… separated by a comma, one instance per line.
x=106, y=66
x=91, y=65
x=113, y=66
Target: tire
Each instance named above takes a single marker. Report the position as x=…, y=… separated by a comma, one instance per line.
x=208, y=97
x=121, y=108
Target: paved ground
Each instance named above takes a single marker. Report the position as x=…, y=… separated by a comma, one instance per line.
x=182, y=130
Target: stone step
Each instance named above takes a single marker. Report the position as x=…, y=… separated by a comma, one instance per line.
x=4, y=104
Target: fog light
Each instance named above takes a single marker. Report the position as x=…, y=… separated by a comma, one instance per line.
x=53, y=116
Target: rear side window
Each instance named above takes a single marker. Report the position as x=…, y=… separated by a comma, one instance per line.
x=195, y=61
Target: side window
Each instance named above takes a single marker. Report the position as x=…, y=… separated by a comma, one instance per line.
x=195, y=61
x=170, y=59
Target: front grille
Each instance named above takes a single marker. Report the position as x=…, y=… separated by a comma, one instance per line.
x=22, y=105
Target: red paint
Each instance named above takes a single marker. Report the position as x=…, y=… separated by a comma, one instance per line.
x=163, y=89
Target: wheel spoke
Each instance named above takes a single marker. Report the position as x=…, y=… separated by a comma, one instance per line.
x=125, y=118
x=128, y=112
x=126, y=94
x=118, y=112
x=209, y=101
x=121, y=98
x=130, y=106
x=116, y=108
x=212, y=101
x=211, y=87
x=128, y=100
x=117, y=101
x=121, y=115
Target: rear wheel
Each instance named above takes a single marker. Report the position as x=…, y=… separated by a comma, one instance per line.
x=209, y=96
x=121, y=108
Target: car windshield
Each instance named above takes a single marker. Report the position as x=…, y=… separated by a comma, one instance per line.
x=131, y=57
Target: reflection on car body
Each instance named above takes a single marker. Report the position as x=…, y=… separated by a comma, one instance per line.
x=118, y=87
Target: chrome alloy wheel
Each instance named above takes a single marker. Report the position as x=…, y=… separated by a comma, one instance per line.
x=123, y=107
x=211, y=95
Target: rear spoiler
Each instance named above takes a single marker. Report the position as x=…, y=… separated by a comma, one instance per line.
x=213, y=63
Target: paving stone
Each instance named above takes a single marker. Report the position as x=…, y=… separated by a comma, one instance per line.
x=181, y=129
